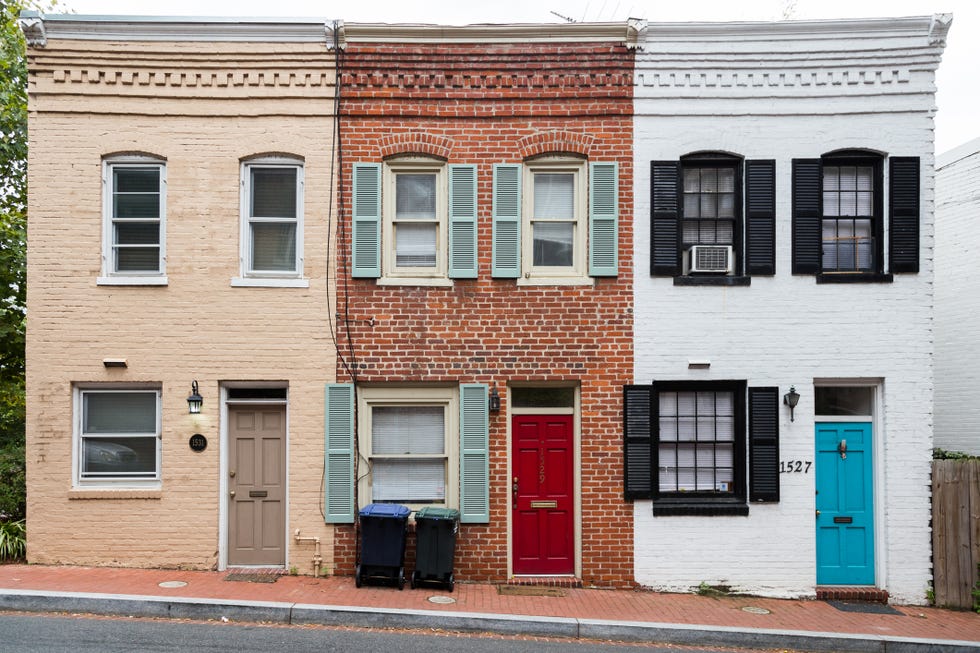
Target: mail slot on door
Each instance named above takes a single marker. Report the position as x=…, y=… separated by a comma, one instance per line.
x=843, y=520
x=257, y=493
x=544, y=504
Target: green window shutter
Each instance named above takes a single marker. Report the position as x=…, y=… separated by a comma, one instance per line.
x=603, y=219
x=474, y=450
x=506, y=220
x=366, y=231
x=339, y=454
x=462, y=222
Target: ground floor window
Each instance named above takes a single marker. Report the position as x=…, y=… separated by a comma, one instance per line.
x=117, y=435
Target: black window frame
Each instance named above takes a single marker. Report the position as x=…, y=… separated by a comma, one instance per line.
x=858, y=159
x=716, y=161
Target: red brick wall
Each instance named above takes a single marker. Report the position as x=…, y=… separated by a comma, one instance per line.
x=486, y=105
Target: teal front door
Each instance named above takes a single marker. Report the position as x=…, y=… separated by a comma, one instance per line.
x=845, y=504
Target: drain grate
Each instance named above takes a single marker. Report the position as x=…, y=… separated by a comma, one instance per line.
x=253, y=578
x=529, y=590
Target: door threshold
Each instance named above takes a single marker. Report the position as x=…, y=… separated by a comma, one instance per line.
x=558, y=580
x=867, y=593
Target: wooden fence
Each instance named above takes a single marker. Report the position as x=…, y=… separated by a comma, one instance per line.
x=955, y=531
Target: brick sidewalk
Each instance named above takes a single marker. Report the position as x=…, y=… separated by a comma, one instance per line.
x=620, y=605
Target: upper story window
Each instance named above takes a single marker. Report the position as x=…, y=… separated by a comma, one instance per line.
x=554, y=226
x=134, y=221
x=272, y=222
x=414, y=211
x=840, y=220
x=712, y=218
x=117, y=436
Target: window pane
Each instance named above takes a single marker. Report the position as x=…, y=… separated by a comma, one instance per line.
x=408, y=430
x=692, y=180
x=542, y=397
x=726, y=205
x=273, y=192
x=274, y=246
x=848, y=203
x=865, y=178
x=415, y=196
x=135, y=180
x=692, y=205
x=137, y=233
x=119, y=412
x=668, y=429
x=133, y=457
x=844, y=401
x=709, y=180
x=831, y=204
x=415, y=245
x=726, y=180
x=864, y=203
x=831, y=178
x=709, y=205
x=136, y=205
x=554, y=196
x=553, y=244
x=408, y=481
x=848, y=178
x=137, y=259
x=668, y=403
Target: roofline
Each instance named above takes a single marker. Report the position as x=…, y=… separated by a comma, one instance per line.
x=625, y=32
x=935, y=27
x=958, y=153
x=38, y=28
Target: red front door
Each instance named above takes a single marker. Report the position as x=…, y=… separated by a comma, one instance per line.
x=543, y=492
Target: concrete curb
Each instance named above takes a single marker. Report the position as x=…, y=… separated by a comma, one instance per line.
x=335, y=615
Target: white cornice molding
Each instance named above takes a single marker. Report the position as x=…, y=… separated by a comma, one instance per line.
x=934, y=27
x=40, y=27
x=626, y=33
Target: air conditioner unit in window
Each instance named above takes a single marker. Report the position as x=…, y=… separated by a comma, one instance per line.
x=711, y=259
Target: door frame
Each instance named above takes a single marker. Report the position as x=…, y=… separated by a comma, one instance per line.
x=223, y=502
x=576, y=414
x=877, y=386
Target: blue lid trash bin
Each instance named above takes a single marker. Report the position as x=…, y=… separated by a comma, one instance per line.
x=384, y=528
x=435, y=546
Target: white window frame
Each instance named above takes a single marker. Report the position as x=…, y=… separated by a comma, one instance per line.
x=110, y=276
x=391, y=273
x=275, y=278
x=446, y=397
x=77, y=436
x=577, y=272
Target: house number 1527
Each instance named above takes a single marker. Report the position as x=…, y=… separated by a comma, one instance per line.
x=795, y=466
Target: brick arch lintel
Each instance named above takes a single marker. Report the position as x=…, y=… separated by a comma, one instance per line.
x=555, y=142
x=416, y=143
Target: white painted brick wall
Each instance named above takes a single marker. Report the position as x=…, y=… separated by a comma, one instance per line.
x=958, y=298
x=786, y=330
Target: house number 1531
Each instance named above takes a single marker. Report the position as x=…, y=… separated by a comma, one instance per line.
x=795, y=466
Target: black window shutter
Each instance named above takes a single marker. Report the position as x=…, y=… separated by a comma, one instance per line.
x=760, y=217
x=903, y=214
x=807, y=214
x=637, y=442
x=664, y=218
x=763, y=444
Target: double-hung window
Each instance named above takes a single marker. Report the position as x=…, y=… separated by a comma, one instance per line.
x=415, y=234
x=712, y=219
x=701, y=448
x=409, y=437
x=134, y=202
x=554, y=226
x=117, y=436
x=841, y=229
x=272, y=221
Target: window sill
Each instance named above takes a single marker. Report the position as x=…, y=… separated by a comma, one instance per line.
x=131, y=281
x=434, y=282
x=705, y=508
x=114, y=493
x=712, y=281
x=259, y=282
x=855, y=277
x=555, y=281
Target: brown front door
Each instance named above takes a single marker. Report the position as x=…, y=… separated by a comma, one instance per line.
x=257, y=485
x=543, y=494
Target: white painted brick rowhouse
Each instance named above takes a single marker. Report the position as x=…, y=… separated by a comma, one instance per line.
x=847, y=90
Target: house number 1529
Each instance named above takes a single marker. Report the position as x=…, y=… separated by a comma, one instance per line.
x=795, y=466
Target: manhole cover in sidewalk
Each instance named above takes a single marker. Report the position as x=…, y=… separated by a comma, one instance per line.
x=171, y=584
x=444, y=600
x=754, y=610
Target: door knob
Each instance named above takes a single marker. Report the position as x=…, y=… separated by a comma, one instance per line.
x=232, y=493
x=232, y=473
x=818, y=513
x=842, y=449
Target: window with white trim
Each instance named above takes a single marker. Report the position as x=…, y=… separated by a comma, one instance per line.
x=554, y=231
x=409, y=445
x=414, y=218
x=134, y=215
x=272, y=218
x=117, y=436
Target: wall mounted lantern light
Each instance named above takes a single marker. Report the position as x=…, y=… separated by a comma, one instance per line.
x=790, y=399
x=493, y=403
x=195, y=400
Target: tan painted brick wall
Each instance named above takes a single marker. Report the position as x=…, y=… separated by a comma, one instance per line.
x=196, y=328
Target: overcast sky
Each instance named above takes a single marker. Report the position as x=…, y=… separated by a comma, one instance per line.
x=957, y=122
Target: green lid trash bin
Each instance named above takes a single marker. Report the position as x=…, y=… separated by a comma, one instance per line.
x=435, y=546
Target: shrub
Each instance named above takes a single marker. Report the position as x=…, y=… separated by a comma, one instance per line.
x=13, y=540
x=13, y=483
